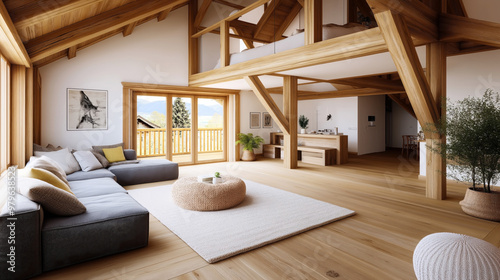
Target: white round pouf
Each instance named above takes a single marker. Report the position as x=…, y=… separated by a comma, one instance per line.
x=452, y=256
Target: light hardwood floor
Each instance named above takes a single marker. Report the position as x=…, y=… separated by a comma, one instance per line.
x=377, y=243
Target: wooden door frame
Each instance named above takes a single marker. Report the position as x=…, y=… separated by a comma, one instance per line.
x=130, y=90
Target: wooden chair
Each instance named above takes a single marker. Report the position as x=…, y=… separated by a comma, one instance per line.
x=410, y=144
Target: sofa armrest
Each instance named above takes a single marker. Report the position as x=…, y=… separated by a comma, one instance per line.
x=20, y=238
x=130, y=154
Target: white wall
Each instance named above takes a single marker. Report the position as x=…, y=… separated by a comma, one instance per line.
x=371, y=139
x=149, y=55
x=401, y=123
x=469, y=75
x=250, y=103
x=344, y=113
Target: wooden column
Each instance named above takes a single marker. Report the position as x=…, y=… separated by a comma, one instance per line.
x=224, y=43
x=313, y=13
x=436, y=165
x=193, y=43
x=18, y=115
x=29, y=114
x=37, y=106
x=290, y=108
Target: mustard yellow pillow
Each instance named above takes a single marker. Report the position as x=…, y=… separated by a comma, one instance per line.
x=47, y=177
x=114, y=154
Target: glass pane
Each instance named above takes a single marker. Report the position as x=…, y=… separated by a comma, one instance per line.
x=151, y=126
x=210, y=129
x=181, y=129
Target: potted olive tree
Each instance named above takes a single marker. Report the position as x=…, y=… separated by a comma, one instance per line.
x=249, y=143
x=303, y=123
x=472, y=150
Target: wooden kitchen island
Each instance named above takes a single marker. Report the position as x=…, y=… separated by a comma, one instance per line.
x=313, y=148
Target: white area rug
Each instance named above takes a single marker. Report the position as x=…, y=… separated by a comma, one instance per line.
x=266, y=215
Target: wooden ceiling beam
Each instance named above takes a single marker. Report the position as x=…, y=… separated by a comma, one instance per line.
x=229, y=4
x=234, y=16
x=95, y=26
x=308, y=95
x=456, y=28
x=289, y=19
x=263, y=21
x=36, y=11
x=127, y=30
x=371, y=82
x=163, y=15
x=404, y=54
x=72, y=52
x=248, y=42
x=421, y=19
x=11, y=45
x=267, y=101
x=201, y=12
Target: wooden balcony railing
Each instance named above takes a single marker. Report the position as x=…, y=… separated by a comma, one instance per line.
x=151, y=142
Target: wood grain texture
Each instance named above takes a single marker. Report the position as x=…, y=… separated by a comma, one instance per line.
x=200, y=13
x=224, y=44
x=313, y=14
x=290, y=110
x=345, y=93
x=96, y=26
x=18, y=116
x=37, y=106
x=11, y=45
x=393, y=215
x=405, y=57
x=29, y=117
x=456, y=28
x=193, y=43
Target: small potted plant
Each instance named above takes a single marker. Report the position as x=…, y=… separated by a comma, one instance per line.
x=217, y=178
x=303, y=122
x=249, y=143
x=472, y=151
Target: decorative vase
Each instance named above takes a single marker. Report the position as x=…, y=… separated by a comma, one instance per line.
x=248, y=155
x=303, y=131
x=216, y=180
x=482, y=205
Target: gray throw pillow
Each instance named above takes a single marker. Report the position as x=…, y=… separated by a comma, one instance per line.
x=64, y=158
x=87, y=160
x=102, y=159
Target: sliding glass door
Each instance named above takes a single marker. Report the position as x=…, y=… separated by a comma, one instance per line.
x=196, y=127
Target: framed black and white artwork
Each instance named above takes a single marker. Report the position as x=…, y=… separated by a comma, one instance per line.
x=254, y=119
x=267, y=120
x=87, y=109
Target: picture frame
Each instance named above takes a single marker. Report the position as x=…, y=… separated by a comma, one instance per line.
x=254, y=120
x=267, y=120
x=87, y=109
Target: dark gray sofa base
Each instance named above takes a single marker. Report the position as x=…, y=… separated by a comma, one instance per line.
x=146, y=171
x=113, y=223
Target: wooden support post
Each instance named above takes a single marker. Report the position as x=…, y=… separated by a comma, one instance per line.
x=402, y=50
x=267, y=101
x=290, y=109
x=18, y=116
x=224, y=43
x=193, y=44
x=436, y=165
x=37, y=106
x=313, y=21
x=29, y=114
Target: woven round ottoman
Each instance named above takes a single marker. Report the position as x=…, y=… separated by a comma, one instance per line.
x=190, y=194
x=454, y=256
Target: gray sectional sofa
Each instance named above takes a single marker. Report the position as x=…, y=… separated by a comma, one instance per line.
x=114, y=222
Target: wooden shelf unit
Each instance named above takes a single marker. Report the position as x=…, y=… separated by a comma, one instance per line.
x=337, y=142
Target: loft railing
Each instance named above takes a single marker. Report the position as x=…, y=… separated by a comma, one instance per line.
x=151, y=142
